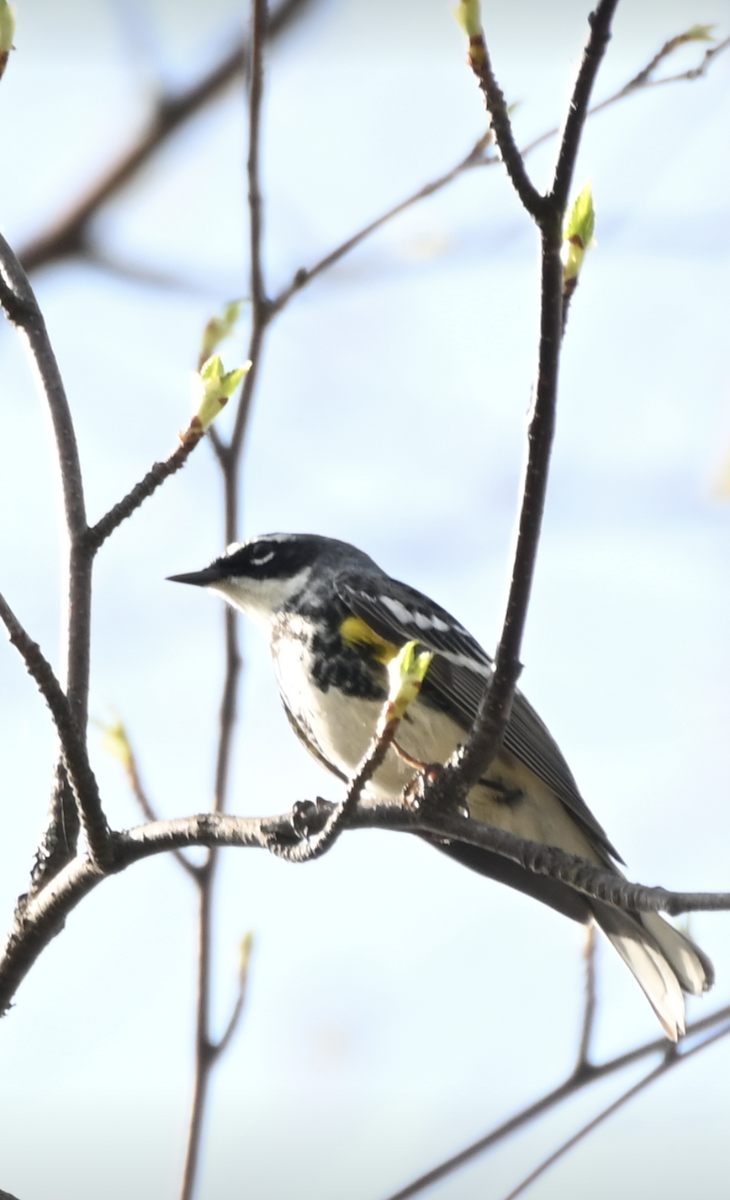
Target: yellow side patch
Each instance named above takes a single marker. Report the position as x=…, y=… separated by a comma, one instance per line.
x=357, y=632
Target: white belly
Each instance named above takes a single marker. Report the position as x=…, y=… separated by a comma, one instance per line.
x=339, y=730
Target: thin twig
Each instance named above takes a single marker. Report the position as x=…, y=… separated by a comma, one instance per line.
x=146, y=807
x=22, y=309
x=669, y=1061
x=157, y=474
x=673, y=1056
x=494, y=710
x=315, y=846
x=69, y=235
x=228, y=709
x=477, y=157
x=59, y=839
x=203, y=1045
x=480, y=62
x=599, y=36
x=233, y=1021
x=255, y=203
x=589, y=1000
x=207, y=1052
x=551, y=1100
x=693, y=72
x=73, y=746
x=304, y=276
x=643, y=78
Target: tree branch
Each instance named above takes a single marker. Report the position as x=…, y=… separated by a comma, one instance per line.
x=46, y=910
x=157, y=474
x=311, y=847
x=551, y=1100
x=494, y=710
x=223, y=1042
x=256, y=91
x=59, y=839
x=304, y=276
x=146, y=807
x=73, y=746
x=673, y=1056
x=229, y=459
x=599, y=36
x=480, y=62
x=70, y=234
x=478, y=157
x=23, y=311
x=589, y=1003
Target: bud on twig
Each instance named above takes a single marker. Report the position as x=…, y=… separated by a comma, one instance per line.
x=7, y=33
x=212, y=389
x=578, y=236
x=218, y=329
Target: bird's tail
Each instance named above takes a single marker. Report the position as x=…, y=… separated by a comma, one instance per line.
x=664, y=962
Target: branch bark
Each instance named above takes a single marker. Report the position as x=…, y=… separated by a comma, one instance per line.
x=488, y=729
x=70, y=234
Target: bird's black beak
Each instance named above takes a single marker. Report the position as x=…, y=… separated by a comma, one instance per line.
x=198, y=578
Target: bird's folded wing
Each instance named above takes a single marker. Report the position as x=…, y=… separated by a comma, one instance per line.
x=456, y=681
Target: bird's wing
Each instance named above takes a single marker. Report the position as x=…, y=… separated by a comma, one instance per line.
x=457, y=678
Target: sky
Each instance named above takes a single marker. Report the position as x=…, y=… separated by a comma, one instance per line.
x=398, y=1006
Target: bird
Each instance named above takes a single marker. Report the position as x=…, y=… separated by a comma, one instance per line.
x=334, y=621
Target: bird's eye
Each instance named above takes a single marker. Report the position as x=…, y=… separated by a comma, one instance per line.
x=262, y=555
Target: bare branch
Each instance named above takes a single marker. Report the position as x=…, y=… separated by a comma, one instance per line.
x=478, y=157
x=204, y=1049
x=322, y=841
x=71, y=233
x=45, y=910
x=157, y=474
x=129, y=762
x=670, y=1060
x=262, y=311
x=73, y=748
x=228, y=711
x=270, y=833
x=22, y=309
x=20, y=304
x=258, y=35
x=229, y=460
x=575, y=1083
x=577, y=111
x=494, y=709
x=222, y=1044
x=475, y=158
x=589, y=1005
x=59, y=840
x=643, y=79
x=481, y=64
x=673, y=1056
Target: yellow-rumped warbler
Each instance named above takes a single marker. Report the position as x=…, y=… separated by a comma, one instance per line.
x=334, y=621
